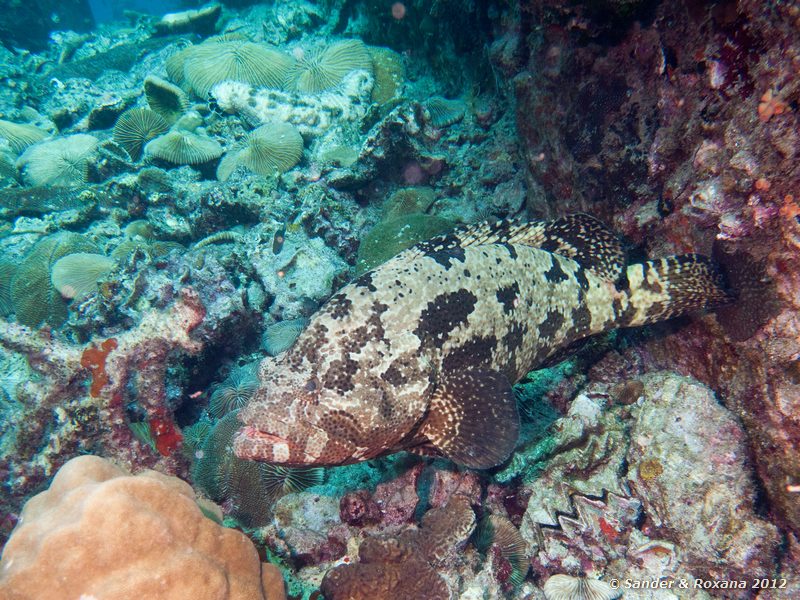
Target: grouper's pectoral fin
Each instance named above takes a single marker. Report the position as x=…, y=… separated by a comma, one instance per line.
x=473, y=418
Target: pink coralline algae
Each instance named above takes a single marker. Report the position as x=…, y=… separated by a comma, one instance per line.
x=405, y=566
x=358, y=508
x=681, y=129
x=63, y=415
x=397, y=499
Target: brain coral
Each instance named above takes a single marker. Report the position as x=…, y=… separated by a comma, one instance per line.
x=99, y=532
x=59, y=162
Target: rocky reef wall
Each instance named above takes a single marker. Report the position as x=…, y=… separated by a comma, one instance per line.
x=677, y=122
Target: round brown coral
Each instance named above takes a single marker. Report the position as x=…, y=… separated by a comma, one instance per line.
x=100, y=532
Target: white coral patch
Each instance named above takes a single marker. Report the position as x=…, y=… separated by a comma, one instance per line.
x=231, y=96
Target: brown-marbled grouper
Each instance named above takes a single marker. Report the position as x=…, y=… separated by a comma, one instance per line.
x=421, y=352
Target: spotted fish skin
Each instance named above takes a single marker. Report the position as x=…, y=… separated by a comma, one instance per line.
x=421, y=352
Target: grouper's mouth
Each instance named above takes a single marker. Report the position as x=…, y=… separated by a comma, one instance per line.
x=311, y=446
x=254, y=432
x=253, y=444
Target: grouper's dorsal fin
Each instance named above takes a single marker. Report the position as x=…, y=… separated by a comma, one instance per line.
x=588, y=242
x=473, y=419
x=580, y=237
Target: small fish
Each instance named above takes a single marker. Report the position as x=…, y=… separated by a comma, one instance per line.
x=278, y=239
x=420, y=354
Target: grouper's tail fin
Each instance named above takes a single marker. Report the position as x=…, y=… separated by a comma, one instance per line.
x=667, y=287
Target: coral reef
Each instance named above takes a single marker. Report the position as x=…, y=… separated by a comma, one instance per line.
x=706, y=483
x=703, y=154
x=137, y=127
x=61, y=162
x=179, y=193
x=59, y=416
x=34, y=296
x=268, y=150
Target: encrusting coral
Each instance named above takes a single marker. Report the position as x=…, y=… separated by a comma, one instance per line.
x=405, y=566
x=99, y=532
x=389, y=74
x=141, y=355
x=390, y=237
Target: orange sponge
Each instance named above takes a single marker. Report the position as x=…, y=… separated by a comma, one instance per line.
x=99, y=532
